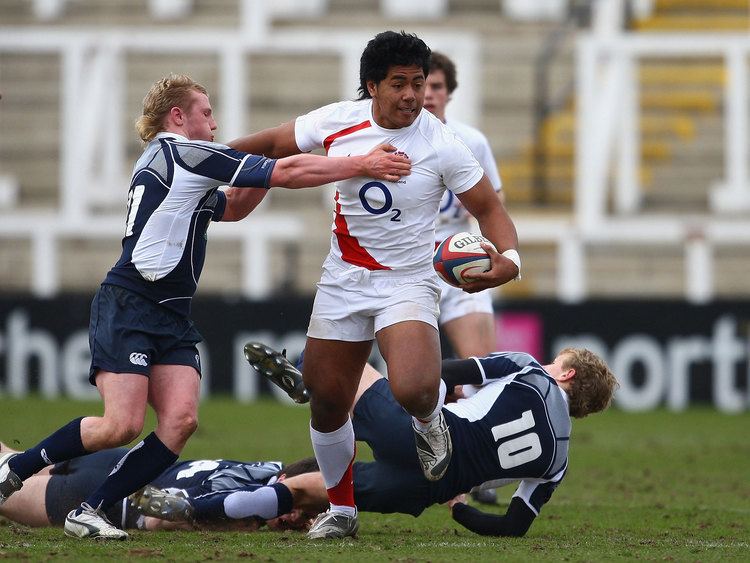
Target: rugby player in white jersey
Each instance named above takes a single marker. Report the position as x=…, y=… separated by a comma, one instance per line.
x=143, y=343
x=467, y=319
x=378, y=281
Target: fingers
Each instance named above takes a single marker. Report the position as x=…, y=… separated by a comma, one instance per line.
x=387, y=147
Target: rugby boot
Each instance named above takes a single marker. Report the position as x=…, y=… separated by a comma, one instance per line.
x=434, y=448
x=9, y=481
x=274, y=366
x=152, y=501
x=92, y=523
x=334, y=525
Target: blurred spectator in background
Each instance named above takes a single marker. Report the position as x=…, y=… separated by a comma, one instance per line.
x=467, y=319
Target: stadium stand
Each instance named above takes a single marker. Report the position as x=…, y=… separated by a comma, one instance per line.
x=679, y=130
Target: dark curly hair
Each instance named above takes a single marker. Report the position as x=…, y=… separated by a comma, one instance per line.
x=388, y=49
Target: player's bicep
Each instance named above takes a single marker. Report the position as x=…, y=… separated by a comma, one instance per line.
x=274, y=142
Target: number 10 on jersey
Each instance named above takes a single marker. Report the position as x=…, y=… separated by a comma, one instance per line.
x=520, y=450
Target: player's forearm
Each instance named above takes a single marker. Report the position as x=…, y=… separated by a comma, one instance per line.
x=309, y=170
x=516, y=521
x=460, y=372
x=275, y=142
x=498, y=227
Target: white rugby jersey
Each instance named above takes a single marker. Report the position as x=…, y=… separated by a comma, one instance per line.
x=453, y=216
x=388, y=225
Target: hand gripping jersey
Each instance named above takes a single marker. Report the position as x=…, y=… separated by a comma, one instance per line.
x=516, y=427
x=172, y=199
x=453, y=216
x=388, y=225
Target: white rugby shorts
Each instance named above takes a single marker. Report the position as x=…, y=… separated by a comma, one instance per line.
x=353, y=303
x=455, y=302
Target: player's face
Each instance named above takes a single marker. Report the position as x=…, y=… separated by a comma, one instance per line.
x=557, y=369
x=294, y=520
x=436, y=94
x=399, y=97
x=199, y=123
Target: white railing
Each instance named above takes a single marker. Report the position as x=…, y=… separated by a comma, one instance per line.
x=93, y=167
x=607, y=140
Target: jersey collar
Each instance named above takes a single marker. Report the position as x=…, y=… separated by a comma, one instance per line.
x=170, y=135
x=398, y=131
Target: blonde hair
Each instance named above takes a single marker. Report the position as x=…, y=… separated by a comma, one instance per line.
x=171, y=91
x=593, y=385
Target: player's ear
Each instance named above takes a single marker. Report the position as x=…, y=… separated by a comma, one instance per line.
x=177, y=115
x=372, y=88
x=569, y=374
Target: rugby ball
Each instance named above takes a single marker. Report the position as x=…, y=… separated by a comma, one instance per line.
x=458, y=255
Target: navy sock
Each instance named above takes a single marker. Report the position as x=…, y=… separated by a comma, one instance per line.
x=210, y=507
x=284, y=497
x=141, y=465
x=62, y=445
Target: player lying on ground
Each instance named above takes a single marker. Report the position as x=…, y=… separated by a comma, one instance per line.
x=47, y=497
x=515, y=428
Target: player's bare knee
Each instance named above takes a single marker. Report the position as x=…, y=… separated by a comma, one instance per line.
x=124, y=433
x=418, y=401
x=327, y=408
x=185, y=425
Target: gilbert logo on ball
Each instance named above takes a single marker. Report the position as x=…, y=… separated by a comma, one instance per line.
x=458, y=255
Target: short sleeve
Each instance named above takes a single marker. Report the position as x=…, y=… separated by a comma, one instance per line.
x=310, y=129
x=460, y=170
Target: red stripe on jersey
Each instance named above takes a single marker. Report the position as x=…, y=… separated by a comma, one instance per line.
x=351, y=251
x=328, y=141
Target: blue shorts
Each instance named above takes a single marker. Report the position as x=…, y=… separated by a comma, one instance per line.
x=71, y=482
x=128, y=334
x=394, y=482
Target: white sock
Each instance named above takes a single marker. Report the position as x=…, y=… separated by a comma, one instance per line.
x=333, y=450
x=261, y=502
x=424, y=424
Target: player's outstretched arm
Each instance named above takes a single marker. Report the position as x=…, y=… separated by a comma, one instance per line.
x=308, y=170
x=274, y=142
x=515, y=522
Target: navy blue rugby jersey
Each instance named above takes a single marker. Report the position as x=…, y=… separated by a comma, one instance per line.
x=201, y=476
x=173, y=197
x=515, y=428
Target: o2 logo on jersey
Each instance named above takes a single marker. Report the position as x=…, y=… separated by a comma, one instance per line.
x=520, y=450
x=387, y=201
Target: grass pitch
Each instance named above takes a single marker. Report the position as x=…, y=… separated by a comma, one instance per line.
x=654, y=486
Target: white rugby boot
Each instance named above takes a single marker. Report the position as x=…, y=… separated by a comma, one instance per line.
x=92, y=523
x=434, y=448
x=9, y=481
x=334, y=525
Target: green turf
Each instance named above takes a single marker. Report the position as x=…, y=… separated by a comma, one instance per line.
x=653, y=486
